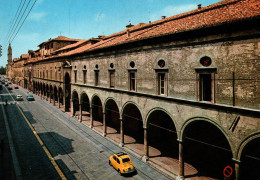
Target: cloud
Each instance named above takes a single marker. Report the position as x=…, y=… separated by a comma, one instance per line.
x=37, y=16
x=99, y=16
x=173, y=10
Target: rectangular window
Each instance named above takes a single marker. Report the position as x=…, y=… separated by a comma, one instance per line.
x=55, y=75
x=47, y=74
x=161, y=84
x=112, y=79
x=84, y=77
x=96, y=78
x=205, y=86
x=50, y=74
x=75, y=76
x=132, y=81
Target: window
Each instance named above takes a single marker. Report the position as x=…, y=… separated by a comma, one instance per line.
x=112, y=79
x=96, y=78
x=205, y=86
x=84, y=76
x=161, y=84
x=75, y=76
x=50, y=74
x=132, y=81
x=205, y=78
x=47, y=74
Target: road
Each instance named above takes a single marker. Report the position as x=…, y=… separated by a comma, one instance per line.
x=78, y=151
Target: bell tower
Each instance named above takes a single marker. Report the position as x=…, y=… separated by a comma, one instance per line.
x=9, y=54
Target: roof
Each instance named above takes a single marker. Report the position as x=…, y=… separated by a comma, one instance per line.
x=223, y=12
x=16, y=59
x=24, y=56
x=226, y=11
x=60, y=38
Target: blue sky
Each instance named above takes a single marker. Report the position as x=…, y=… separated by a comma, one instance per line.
x=81, y=19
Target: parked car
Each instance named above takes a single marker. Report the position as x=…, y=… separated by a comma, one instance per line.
x=16, y=87
x=19, y=98
x=10, y=87
x=30, y=97
x=6, y=84
x=1, y=86
x=122, y=163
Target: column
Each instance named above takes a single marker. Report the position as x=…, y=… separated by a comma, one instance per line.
x=59, y=101
x=72, y=108
x=146, y=147
x=181, y=161
x=50, y=96
x=90, y=116
x=80, y=112
x=121, y=133
x=237, y=168
x=53, y=99
x=104, y=124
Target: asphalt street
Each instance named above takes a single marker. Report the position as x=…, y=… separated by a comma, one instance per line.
x=80, y=152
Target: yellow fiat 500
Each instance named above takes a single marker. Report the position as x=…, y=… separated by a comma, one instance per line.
x=122, y=163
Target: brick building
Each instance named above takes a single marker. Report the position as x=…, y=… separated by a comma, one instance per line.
x=182, y=92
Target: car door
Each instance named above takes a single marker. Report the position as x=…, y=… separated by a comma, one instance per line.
x=113, y=162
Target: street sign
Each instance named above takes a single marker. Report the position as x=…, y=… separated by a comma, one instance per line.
x=227, y=171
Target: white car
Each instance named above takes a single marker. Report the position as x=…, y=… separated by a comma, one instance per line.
x=19, y=98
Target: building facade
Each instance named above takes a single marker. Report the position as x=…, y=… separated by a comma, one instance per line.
x=184, y=89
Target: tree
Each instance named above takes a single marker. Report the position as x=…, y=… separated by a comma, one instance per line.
x=2, y=70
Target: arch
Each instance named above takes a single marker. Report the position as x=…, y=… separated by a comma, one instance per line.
x=44, y=90
x=85, y=106
x=75, y=101
x=60, y=95
x=47, y=90
x=130, y=102
x=112, y=119
x=245, y=142
x=249, y=157
x=162, y=137
x=133, y=127
x=206, y=147
x=55, y=93
x=191, y=120
x=97, y=109
x=67, y=91
x=109, y=99
x=157, y=109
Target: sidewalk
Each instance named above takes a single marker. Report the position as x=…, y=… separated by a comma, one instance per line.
x=6, y=162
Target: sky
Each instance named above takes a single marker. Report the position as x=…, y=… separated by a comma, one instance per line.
x=80, y=19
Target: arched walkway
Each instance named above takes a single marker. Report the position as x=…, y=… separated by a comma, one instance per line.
x=112, y=120
x=75, y=101
x=133, y=133
x=51, y=93
x=97, y=113
x=85, y=108
x=60, y=100
x=207, y=149
x=47, y=92
x=67, y=92
x=55, y=95
x=250, y=160
x=162, y=140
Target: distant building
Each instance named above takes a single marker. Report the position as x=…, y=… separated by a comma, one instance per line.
x=181, y=89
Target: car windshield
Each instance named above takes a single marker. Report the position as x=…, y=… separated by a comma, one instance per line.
x=125, y=160
x=19, y=95
x=30, y=95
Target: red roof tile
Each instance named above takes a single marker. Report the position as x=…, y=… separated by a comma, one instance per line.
x=222, y=12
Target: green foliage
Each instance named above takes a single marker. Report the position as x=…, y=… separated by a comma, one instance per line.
x=2, y=70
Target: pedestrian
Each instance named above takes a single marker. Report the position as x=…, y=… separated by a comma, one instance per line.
x=2, y=145
x=6, y=102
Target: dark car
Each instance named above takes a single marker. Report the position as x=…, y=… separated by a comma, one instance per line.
x=30, y=97
x=16, y=87
x=1, y=86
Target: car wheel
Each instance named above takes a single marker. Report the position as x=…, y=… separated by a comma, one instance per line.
x=119, y=172
x=109, y=162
